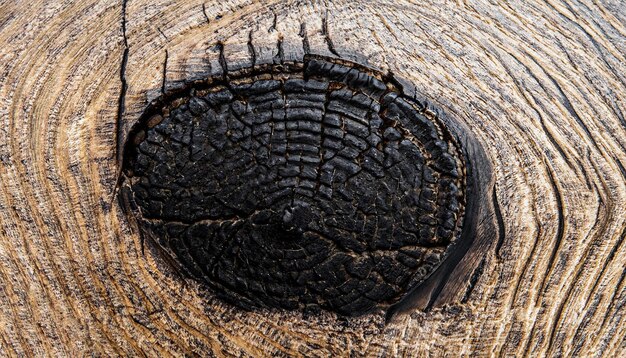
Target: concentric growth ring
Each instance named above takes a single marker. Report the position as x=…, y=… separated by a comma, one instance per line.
x=303, y=185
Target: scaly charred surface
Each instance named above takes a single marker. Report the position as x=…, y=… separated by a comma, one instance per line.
x=313, y=184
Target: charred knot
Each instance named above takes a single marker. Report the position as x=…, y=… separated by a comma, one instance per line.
x=306, y=185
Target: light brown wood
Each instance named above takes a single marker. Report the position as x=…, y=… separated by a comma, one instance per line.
x=542, y=85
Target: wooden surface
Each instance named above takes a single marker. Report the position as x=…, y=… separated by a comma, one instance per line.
x=542, y=85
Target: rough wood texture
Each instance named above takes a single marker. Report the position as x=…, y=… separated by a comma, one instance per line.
x=541, y=85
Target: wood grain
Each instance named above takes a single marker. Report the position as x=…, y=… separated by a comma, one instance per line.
x=542, y=85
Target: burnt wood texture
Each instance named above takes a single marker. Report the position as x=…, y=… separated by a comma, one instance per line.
x=516, y=109
x=300, y=185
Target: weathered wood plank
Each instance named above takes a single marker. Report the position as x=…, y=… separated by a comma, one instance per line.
x=541, y=85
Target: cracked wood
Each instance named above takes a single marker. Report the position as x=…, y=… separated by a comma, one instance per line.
x=540, y=85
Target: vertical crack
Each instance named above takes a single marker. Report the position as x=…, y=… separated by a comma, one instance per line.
x=280, y=55
x=251, y=49
x=205, y=14
x=274, y=22
x=164, y=73
x=222, y=59
x=322, y=151
x=123, y=89
x=305, y=39
x=501, y=229
x=473, y=281
x=329, y=41
x=161, y=32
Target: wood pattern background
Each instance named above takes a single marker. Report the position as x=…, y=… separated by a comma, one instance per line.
x=542, y=85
